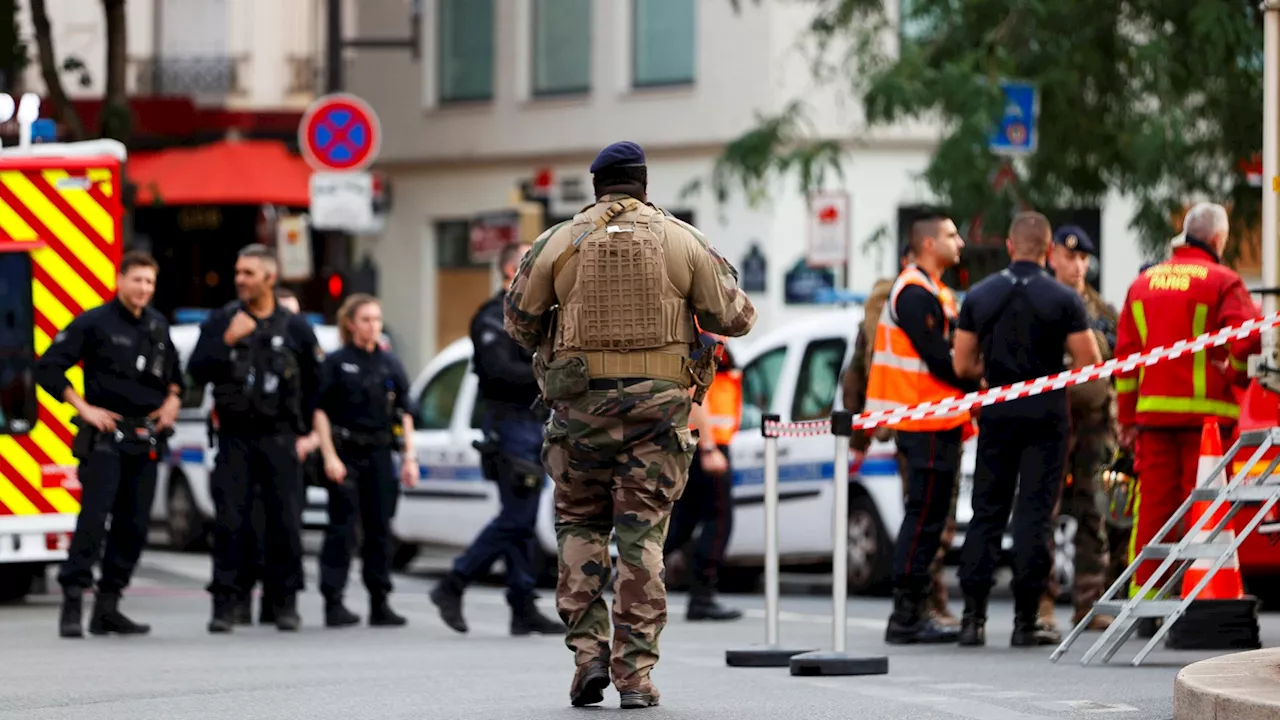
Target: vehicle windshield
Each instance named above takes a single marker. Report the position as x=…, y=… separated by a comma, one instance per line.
x=17, y=345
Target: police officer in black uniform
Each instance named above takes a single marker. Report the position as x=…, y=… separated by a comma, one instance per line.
x=512, y=457
x=253, y=568
x=133, y=391
x=363, y=414
x=1015, y=326
x=264, y=363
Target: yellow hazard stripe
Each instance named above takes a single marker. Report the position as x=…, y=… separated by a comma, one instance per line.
x=14, y=226
x=49, y=306
x=13, y=499
x=58, y=224
x=68, y=279
x=29, y=469
x=102, y=176
x=82, y=202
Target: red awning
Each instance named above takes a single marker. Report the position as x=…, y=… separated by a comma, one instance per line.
x=230, y=172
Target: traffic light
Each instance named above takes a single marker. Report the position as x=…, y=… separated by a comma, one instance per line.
x=334, y=286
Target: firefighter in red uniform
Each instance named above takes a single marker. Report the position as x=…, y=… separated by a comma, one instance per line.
x=1162, y=407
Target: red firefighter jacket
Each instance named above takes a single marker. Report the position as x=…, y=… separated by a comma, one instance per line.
x=1180, y=299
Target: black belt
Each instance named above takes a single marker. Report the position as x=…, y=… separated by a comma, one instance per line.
x=385, y=438
x=606, y=384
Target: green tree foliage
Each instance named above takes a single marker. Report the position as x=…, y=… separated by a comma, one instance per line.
x=1160, y=99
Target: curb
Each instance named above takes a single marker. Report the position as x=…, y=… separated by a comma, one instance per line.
x=1240, y=686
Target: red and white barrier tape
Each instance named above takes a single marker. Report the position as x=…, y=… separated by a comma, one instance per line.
x=1049, y=383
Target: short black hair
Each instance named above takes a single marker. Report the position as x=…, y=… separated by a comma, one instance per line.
x=620, y=179
x=137, y=258
x=924, y=225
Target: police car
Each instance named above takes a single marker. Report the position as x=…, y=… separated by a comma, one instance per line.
x=793, y=371
x=183, y=504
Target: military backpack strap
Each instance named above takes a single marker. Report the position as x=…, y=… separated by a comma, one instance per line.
x=613, y=211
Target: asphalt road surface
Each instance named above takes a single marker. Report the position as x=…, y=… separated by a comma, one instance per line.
x=180, y=672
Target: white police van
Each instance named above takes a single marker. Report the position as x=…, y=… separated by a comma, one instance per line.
x=183, y=504
x=793, y=371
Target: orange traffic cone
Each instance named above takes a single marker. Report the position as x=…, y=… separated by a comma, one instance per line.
x=1226, y=584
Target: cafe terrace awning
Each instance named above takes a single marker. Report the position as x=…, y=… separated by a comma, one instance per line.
x=229, y=172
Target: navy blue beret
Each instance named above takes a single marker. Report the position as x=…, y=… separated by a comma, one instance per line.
x=619, y=154
x=1073, y=237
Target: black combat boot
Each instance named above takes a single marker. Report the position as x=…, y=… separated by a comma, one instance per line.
x=337, y=615
x=1028, y=629
x=287, y=618
x=107, y=618
x=526, y=620
x=69, y=623
x=381, y=614
x=704, y=606
x=911, y=623
x=242, y=614
x=223, y=620
x=973, y=623
x=447, y=595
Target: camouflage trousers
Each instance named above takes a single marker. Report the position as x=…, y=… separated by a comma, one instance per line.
x=937, y=585
x=1090, y=449
x=619, y=459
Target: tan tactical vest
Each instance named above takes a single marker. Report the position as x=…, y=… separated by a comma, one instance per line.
x=623, y=314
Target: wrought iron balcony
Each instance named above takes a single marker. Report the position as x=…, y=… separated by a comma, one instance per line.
x=196, y=76
x=304, y=74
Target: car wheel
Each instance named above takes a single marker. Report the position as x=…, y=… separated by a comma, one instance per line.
x=183, y=520
x=868, y=548
x=402, y=554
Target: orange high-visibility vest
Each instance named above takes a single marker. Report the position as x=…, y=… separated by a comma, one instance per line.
x=899, y=377
x=724, y=405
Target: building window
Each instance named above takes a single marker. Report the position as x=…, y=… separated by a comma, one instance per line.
x=561, y=47
x=466, y=31
x=663, y=37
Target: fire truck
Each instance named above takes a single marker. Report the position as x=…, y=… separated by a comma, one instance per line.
x=60, y=245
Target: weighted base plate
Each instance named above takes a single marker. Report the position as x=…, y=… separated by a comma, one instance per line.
x=834, y=663
x=761, y=656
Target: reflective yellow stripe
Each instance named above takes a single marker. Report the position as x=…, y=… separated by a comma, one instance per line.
x=1126, y=385
x=1199, y=374
x=1140, y=319
x=1198, y=406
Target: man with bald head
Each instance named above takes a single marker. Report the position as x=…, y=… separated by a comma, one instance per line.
x=1016, y=326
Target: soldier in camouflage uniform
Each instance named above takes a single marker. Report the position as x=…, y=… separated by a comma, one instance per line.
x=854, y=387
x=1093, y=436
x=608, y=300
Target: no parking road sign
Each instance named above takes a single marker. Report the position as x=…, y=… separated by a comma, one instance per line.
x=339, y=132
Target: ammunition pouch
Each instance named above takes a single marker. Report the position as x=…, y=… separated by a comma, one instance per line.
x=133, y=436
x=565, y=378
x=524, y=475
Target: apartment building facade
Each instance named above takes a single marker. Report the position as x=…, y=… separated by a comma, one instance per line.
x=509, y=91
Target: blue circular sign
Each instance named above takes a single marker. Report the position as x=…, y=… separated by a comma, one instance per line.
x=339, y=132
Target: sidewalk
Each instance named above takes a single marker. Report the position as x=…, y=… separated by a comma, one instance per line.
x=1242, y=686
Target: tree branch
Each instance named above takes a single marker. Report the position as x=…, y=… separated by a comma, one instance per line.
x=49, y=71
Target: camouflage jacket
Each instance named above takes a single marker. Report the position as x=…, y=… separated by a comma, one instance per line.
x=695, y=268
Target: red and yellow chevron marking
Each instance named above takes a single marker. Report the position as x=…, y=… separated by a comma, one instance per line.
x=73, y=207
